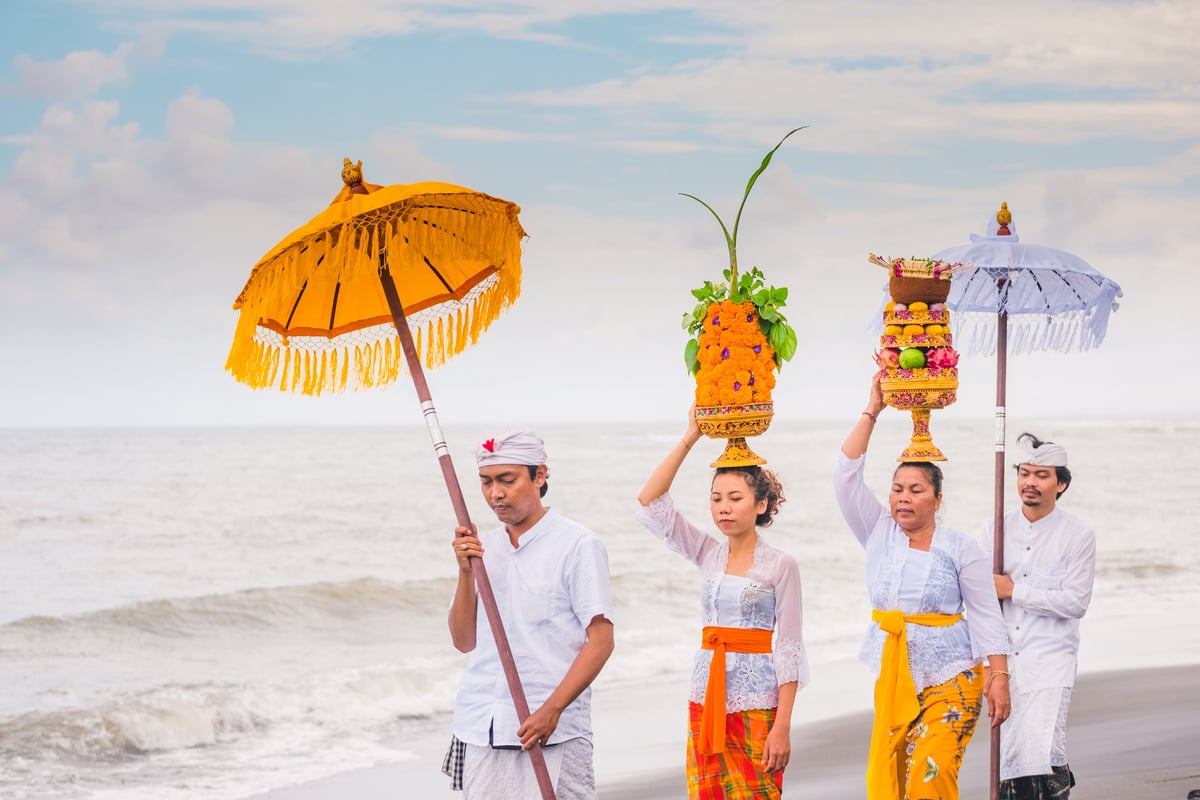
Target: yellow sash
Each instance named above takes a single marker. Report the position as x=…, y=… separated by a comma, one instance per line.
x=722, y=641
x=896, y=704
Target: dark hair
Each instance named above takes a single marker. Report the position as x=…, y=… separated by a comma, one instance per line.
x=933, y=473
x=1062, y=474
x=545, y=487
x=765, y=485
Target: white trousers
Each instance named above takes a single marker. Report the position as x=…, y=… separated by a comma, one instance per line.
x=490, y=774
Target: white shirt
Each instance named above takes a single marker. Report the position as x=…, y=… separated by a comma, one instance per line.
x=1052, y=563
x=548, y=590
x=953, y=576
x=768, y=597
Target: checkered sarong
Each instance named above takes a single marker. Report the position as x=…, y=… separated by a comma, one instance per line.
x=737, y=771
x=452, y=764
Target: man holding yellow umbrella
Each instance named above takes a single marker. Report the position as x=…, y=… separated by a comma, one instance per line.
x=330, y=307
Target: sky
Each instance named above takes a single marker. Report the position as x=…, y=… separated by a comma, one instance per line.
x=151, y=152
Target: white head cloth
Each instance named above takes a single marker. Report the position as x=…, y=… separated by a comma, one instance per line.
x=1048, y=454
x=512, y=447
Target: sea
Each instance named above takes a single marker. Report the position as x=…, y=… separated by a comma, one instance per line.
x=214, y=613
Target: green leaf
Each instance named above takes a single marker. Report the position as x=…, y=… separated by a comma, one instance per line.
x=689, y=356
x=783, y=339
x=779, y=296
x=761, y=297
x=766, y=162
x=768, y=313
x=729, y=242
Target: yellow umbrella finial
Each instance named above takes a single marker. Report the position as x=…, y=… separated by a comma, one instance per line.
x=352, y=176
x=1003, y=217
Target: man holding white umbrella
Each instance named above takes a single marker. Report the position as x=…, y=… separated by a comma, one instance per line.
x=1044, y=589
x=1052, y=300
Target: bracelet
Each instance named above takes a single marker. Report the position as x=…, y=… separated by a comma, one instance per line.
x=1000, y=672
x=686, y=446
x=873, y=417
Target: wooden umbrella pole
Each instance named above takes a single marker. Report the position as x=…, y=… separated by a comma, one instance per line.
x=482, y=581
x=998, y=511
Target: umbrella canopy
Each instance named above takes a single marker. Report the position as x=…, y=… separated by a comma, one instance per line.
x=1054, y=300
x=315, y=316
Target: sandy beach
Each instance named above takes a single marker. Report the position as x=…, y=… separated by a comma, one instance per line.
x=1133, y=734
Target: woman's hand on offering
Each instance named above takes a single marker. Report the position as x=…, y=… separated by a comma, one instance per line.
x=692, y=434
x=875, y=402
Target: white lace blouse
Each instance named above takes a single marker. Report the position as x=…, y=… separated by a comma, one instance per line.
x=954, y=576
x=768, y=597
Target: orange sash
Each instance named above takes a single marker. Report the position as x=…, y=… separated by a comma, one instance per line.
x=722, y=641
x=896, y=703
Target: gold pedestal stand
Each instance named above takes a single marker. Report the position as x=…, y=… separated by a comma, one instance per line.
x=920, y=393
x=735, y=423
x=921, y=448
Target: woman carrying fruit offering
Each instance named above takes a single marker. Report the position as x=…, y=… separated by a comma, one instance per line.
x=743, y=684
x=921, y=578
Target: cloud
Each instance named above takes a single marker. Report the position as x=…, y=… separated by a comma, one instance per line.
x=302, y=28
x=78, y=74
x=133, y=244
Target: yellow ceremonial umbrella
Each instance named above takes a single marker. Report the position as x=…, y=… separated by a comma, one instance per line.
x=315, y=313
x=333, y=306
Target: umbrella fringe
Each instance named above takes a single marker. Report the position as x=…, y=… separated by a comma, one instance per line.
x=1069, y=332
x=352, y=251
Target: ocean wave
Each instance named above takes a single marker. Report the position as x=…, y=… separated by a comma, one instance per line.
x=179, y=717
x=248, y=609
x=165, y=719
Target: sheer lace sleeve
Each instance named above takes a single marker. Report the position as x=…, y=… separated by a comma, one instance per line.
x=790, y=656
x=664, y=521
x=861, y=509
x=989, y=636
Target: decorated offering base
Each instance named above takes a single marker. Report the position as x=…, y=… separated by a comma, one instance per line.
x=919, y=365
x=735, y=423
x=921, y=448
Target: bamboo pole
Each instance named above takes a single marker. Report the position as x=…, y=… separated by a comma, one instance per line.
x=483, y=583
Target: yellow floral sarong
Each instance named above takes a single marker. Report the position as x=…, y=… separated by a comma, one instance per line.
x=896, y=702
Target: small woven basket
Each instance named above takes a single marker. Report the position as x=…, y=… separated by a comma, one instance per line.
x=911, y=289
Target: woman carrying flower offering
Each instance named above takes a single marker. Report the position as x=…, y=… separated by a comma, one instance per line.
x=921, y=578
x=752, y=660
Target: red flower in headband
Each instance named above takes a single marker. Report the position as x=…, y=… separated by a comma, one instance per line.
x=490, y=445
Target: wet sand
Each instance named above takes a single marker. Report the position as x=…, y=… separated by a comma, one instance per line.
x=1132, y=735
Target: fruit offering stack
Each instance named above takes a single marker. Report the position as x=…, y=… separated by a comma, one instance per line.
x=917, y=357
x=916, y=347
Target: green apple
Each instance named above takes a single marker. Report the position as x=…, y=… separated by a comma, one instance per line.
x=911, y=358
